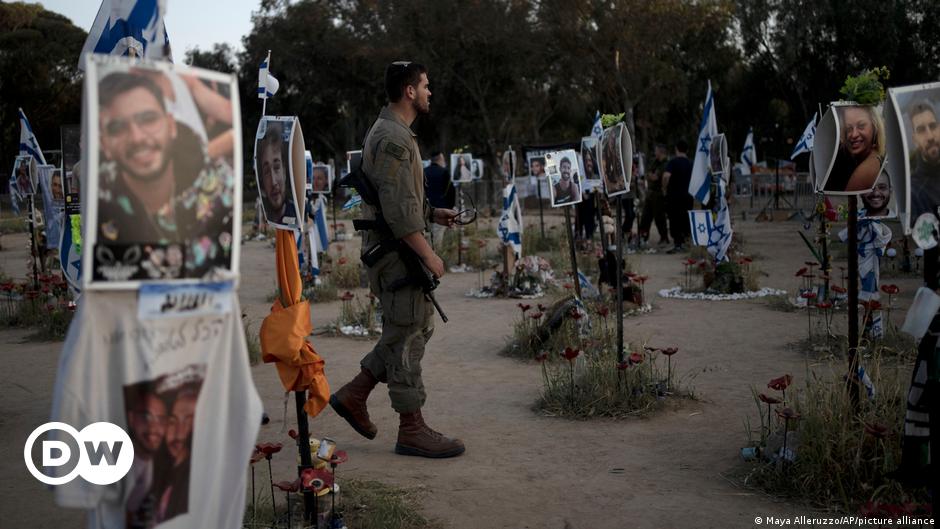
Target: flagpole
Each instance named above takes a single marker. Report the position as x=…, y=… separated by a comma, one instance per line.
x=32, y=240
x=574, y=257
x=619, y=282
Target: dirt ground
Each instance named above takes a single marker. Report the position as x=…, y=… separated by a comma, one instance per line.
x=521, y=470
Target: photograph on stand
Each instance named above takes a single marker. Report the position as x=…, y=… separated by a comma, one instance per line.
x=476, y=169
x=880, y=202
x=353, y=160
x=321, y=176
x=612, y=167
x=590, y=168
x=161, y=151
x=850, y=148
x=277, y=170
x=53, y=201
x=24, y=172
x=913, y=117
x=565, y=180
x=460, y=168
x=509, y=166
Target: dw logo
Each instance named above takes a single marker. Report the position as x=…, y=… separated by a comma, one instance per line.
x=102, y=453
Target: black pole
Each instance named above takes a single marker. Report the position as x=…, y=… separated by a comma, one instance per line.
x=826, y=265
x=777, y=186
x=600, y=221
x=303, y=446
x=459, y=229
x=852, y=378
x=538, y=189
x=619, y=229
x=574, y=257
x=335, y=238
x=32, y=240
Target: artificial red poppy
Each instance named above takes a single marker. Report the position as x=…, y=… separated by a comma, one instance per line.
x=568, y=286
x=788, y=414
x=871, y=305
x=641, y=279
x=702, y=265
x=339, y=457
x=824, y=305
x=255, y=457
x=808, y=295
x=316, y=479
x=603, y=311
x=780, y=383
x=631, y=275
x=570, y=354
x=669, y=351
x=838, y=290
x=523, y=307
x=811, y=263
x=575, y=314
x=542, y=308
x=292, y=433
x=32, y=294
x=890, y=289
x=536, y=315
x=636, y=358
x=481, y=243
x=801, y=272
x=347, y=296
x=824, y=277
x=268, y=449
x=623, y=365
x=541, y=356
x=768, y=399
x=690, y=261
x=747, y=260
x=877, y=430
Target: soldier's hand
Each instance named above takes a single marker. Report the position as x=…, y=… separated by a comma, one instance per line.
x=434, y=264
x=444, y=216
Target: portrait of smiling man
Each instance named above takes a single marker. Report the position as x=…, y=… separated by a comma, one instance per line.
x=157, y=184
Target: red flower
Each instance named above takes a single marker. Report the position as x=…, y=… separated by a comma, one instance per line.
x=523, y=307
x=747, y=260
x=811, y=264
x=347, y=296
x=339, y=457
x=780, y=383
x=542, y=356
x=669, y=351
x=636, y=358
x=890, y=289
x=623, y=365
x=603, y=311
x=342, y=261
x=32, y=294
x=788, y=414
x=824, y=277
x=769, y=400
x=292, y=433
x=568, y=286
x=536, y=315
x=839, y=290
x=877, y=430
x=255, y=457
x=542, y=308
x=690, y=261
x=808, y=295
x=641, y=279
x=702, y=265
x=316, y=479
x=288, y=486
x=824, y=305
x=871, y=305
x=268, y=449
x=630, y=275
x=575, y=314
x=570, y=354
x=801, y=272
x=481, y=243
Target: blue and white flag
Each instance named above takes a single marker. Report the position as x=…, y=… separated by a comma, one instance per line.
x=749, y=153
x=124, y=25
x=806, y=140
x=700, y=184
x=587, y=289
x=510, y=222
x=713, y=230
x=353, y=201
x=267, y=83
x=317, y=235
x=598, y=128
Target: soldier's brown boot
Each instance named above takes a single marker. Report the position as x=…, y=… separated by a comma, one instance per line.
x=415, y=438
x=350, y=403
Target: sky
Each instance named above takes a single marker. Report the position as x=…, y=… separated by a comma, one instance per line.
x=189, y=23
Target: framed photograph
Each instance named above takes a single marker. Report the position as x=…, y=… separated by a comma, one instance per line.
x=590, y=169
x=880, y=202
x=71, y=136
x=460, y=168
x=162, y=163
x=476, y=169
x=509, y=166
x=280, y=170
x=913, y=166
x=53, y=202
x=718, y=161
x=25, y=173
x=849, y=149
x=308, y=163
x=321, y=178
x=353, y=160
x=536, y=164
x=564, y=177
x=611, y=158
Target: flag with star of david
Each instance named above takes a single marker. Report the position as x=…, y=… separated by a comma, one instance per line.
x=713, y=230
x=700, y=184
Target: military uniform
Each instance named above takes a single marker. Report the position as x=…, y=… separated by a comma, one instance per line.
x=392, y=161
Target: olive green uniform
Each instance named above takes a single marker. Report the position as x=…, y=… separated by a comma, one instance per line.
x=392, y=161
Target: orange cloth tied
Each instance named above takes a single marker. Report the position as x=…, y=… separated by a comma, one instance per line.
x=284, y=332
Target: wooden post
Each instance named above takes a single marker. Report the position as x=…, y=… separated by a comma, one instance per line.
x=574, y=258
x=619, y=283
x=854, y=384
x=303, y=445
x=509, y=262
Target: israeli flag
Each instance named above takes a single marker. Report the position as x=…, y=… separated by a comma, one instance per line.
x=700, y=184
x=719, y=240
x=125, y=25
x=587, y=289
x=749, y=153
x=353, y=201
x=700, y=221
x=806, y=140
x=70, y=252
x=267, y=83
x=28, y=147
x=510, y=222
x=317, y=235
x=597, y=129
